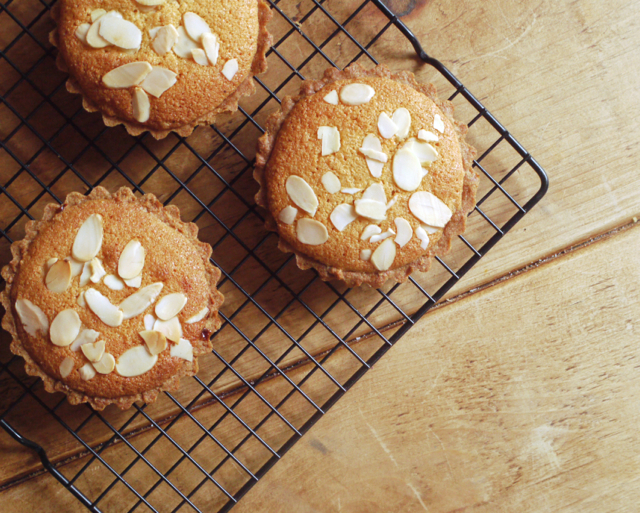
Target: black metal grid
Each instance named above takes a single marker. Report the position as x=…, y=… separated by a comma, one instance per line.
x=290, y=345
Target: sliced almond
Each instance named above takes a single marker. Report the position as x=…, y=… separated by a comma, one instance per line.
x=371, y=142
x=429, y=209
x=331, y=182
x=65, y=328
x=93, y=351
x=407, y=171
x=106, y=364
x=365, y=254
x=32, y=317
x=96, y=14
x=97, y=270
x=423, y=236
x=88, y=240
x=430, y=229
x=139, y=301
x=85, y=277
x=151, y=3
x=438, y=124
x=302, y=194
x=342, y=216
x=149, y=321
x=120, y=33
x=386, y=126
x=76, y=267
x=127, y=75
x=87, y=372
x=405, y=232
x=81, y=32
x=86, y=337
x=134, y=282
x=113, y=282
x=312, y=232
x=198, y=317
x=427, y=136
x=153, y=32
x=131, y=261
x=50, y=262
x=81, y=302
x=93, y=38
x=288, y=214
x=100, y=305
x=375, y=192
x=356, y=94
x=170, y=305
x=369, y=231
x=384, y=255
x=140, y=105
x=330, y=137
x=382, y=236
x=402, y=119
x=66, y=367
x=199, y=56
x=156, y=342
x=371, y=209
x=350, y=190
x=59, y=276
x=211, y=47
x=392, y=202
x=164, y=38
x=424, y=151
x=170, y=328
x=183, y=350
x=374, y=155
x=184, y=44
x=195, y=26
x=331, y=98
x=230, y=69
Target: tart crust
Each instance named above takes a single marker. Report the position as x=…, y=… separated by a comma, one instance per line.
x=228, y=105
x=169, y=215
x=456, y=226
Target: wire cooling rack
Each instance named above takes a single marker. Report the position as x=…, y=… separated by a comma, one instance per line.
x=291, y=345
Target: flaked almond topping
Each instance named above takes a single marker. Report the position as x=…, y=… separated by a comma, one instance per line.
x=302, y=194
x=195, y=26
x=149, y=321
x=356, y=94
x=342, y=216
x=427, y=136
x=139, y=301
x=369, y=231
x=371, y=209
x=100, y=305
x=392, y=202
x=371, y=142
x=32, y=317
x=66, y=367
x=386, y=126
x=170, y=305
x=86, y=337
x=76, y=267
x=438, y=124
x=87, y=372
x=93, y=38
x=199, y=56
x=81, y=32
x=330, y=137
x=88, y=240
x=183, y=350
x=405, y=232
x=131, y=261
x=50, y=262
x=127, y=75
x=384, y=255
x=149, y=3
x=65, y=328
x=312, y=232
x=331, y=98
x=424, y=151
x=134, y=283
x=96, y=14
x=97, y=270
x=164, y=38
x=198, y=317
x=288, y=214
x=375, y=192
x=423, y=236
x=156, y=342
x=85, y=277
x=331, y=182
x=365, y=254
x=402, y=119
x=429, y=209
x=184, y=44
x=106, y=364
x=135, y=361
x=120, y=33
x=59, y=276
x=211, y=47
x=140, y=105
x=350, y=190
x=374, y=154
x=230, y=69
x=407, y=171
x=93, y=351
x=382, y=236
x=81, y=302
x=170, y=328
x=430, y=229
x=113, y=282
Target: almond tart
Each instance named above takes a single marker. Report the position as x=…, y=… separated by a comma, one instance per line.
x=161, y=65
x=110, y=298
x=365, y=175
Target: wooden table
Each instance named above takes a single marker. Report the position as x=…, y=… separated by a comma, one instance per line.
x=521, y=392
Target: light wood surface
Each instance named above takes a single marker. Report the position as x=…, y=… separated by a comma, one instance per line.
x=527, y=405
